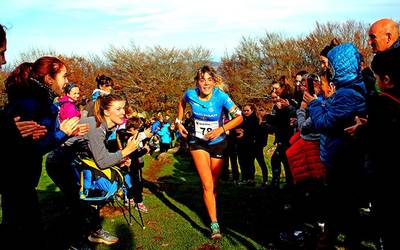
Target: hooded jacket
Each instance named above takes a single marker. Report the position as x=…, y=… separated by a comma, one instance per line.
x=68, y=109
x=340, y=109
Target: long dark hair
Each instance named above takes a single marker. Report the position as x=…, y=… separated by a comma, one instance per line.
x=3, y=45
x=287, y=92
x=104, y=80
x=17, y=84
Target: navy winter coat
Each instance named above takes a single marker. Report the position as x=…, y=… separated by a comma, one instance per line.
x=340, y=109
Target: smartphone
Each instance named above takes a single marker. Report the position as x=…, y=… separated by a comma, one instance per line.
x=310, y=86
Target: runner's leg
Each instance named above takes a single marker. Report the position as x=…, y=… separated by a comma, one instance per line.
x=202, y=162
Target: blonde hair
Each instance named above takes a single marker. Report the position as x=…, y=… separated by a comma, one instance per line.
x=219, y=83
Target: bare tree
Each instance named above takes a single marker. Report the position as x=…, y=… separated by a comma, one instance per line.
x=155, y=78
x=256, y=62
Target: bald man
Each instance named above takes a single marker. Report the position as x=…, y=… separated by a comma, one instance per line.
x=384, y=35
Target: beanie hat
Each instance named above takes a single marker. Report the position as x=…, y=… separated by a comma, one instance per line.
x=69, y=87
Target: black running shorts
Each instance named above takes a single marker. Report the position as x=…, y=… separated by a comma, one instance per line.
x=215, y=150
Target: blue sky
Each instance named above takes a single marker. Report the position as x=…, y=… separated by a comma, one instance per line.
x=90, y=26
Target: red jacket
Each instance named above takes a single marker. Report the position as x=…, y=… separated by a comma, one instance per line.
x=304, y=159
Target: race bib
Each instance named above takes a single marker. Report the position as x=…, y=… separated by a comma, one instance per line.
x=203, y=127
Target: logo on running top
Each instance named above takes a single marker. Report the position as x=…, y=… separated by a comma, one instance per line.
x=211, y=110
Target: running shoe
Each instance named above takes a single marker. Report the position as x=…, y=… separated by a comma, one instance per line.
x=142, y=207
x=102, y=236
x=215, y=231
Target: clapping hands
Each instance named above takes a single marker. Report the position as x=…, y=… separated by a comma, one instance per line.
x=30, y=128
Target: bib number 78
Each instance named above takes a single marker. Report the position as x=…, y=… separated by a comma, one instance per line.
x=203, y=127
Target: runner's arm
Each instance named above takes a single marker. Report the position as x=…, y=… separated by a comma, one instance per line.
x=237, y=119
x=181, y=110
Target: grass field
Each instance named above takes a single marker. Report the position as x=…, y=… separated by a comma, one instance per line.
x=177, y=217
x=250, y=217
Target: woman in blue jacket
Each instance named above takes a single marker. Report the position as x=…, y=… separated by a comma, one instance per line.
x=340, y=152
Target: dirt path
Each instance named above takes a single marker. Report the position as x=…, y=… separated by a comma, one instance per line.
x=151, y=172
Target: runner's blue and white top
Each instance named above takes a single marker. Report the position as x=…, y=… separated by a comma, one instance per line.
x=208, y=114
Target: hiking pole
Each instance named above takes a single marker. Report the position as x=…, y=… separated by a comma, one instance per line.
x=137, y=205
x=128, y=220
x=130, y=213
x=140, y=215
x=131, y=216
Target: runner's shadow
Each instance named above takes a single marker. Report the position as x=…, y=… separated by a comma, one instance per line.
x=244, y=212
x=154, y=188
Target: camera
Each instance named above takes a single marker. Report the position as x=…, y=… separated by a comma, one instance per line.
x=141, y=128
x=124, y=136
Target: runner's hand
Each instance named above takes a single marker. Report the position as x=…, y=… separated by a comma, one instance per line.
x=213, y=134
x=182, y=130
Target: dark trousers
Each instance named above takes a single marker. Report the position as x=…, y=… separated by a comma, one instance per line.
x=21, y=219
x=343, y=196
x=136, y=191
x=60, y=169
x=279, y=157
x=164, y=147
x=387, y=213
x=231, y=157
x=246, y=161
x=259, y=156
x=21, y=214
x=20, y=172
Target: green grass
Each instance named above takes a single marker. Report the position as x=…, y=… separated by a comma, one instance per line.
x=177, y=219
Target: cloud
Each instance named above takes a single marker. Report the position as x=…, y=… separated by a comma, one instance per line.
x=159, y=16
x=92, y=25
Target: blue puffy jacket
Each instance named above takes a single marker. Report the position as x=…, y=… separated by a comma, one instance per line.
x=165, y=134
x=337, y=112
